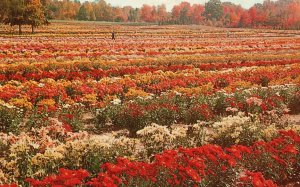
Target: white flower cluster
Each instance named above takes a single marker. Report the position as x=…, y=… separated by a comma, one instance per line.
x=233, y=128
x=49, y=147
x=7, y=105
x=156, y=133
x=116, y=101
x=230, y=121
x=157, y=138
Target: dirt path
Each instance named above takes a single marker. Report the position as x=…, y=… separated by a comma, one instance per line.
x=295, y=119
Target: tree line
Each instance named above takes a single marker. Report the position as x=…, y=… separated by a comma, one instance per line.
x=284, y=14
x=276, y=14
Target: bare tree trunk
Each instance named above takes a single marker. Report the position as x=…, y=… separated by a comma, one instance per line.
x=32, y=29
x=20, y=29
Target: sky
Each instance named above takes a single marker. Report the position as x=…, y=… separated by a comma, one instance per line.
x=171, y=3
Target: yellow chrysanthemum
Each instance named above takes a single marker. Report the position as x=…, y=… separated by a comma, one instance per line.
x=21, y=103
x=132, y=93
x=89, y=98
x=46, y=102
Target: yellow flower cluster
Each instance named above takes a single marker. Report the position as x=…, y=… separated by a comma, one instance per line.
x=133, y=93
x=21, y=103
x=46, y=102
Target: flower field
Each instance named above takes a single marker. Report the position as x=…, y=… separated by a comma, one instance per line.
x=159, y=106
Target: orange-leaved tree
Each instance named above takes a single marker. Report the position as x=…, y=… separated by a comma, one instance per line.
x=24, y=12
x=34, y=14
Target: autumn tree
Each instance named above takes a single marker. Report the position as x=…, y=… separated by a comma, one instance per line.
x=90, y=11
x=66, y=9
x=231, y=14
x=23, y=12
x=185, y=13
x=34, y=14
x=276, y=14
x=293, y=15
x=271, y=12
x=176, y=13
x=126, y=12
x=148, y=13
x=245, y=20
x=119, y=15
x=86, y=12
x=258, y=14
x=103, y=11
x=197, y=14
x=46, y=5
x=182, y=13
x=162, y=14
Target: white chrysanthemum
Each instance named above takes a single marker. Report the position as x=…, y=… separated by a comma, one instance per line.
x=155, y=135
x=66, y=106
x=41, y=85
x=116, y=101
x=180, y=132
x=270, y=131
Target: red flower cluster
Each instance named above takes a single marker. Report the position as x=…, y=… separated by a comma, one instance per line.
x=67, y=178
x=77, y=73
x=8, y=185
x=257, y=180
x=190, y=166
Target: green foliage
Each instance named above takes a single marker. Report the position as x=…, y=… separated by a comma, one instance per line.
x=264, y=81
x=15, y=12
x=213, y=10
x=9, y=119
x=294, y=103
x=133, y=15
x=82, y=13
x=237, y=130
x=4, y=9
x=183, y=17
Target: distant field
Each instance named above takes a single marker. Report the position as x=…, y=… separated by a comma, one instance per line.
x=64, y=26
x=219, y=99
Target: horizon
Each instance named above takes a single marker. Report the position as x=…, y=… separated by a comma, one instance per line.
x=170, y=3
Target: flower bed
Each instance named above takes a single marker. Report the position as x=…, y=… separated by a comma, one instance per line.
x=207, y=165
x=159, y=106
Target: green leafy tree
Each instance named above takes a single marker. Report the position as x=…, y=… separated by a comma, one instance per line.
x=48, y=8
x=213, y=10
x=15, y=14
x=4, y=9
x=82, y=13
x=133, y=15
x=184, y=17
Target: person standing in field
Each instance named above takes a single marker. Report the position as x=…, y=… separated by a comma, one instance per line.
x=113, y=35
